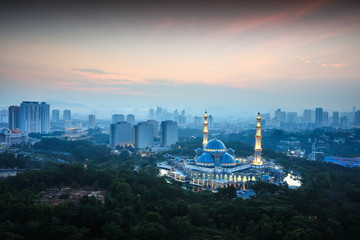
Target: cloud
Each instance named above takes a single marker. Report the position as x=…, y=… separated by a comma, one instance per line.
x=89, y=70
x=336, y=65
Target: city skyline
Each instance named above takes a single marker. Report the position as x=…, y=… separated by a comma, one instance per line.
x=228, y=57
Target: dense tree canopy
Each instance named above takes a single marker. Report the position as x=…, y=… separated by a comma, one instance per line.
x=140, y=205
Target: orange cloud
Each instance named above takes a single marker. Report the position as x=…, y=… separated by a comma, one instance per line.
x=336, y=65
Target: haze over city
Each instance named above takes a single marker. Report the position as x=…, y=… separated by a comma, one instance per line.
x=229, y=57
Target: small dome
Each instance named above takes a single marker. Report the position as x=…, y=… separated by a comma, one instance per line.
x=206, y=158
x=227, y=159
x=266, y=177
x=5, y=130
x=215, y=144
x=16, y=130
x=177, y=159
x=198, y=150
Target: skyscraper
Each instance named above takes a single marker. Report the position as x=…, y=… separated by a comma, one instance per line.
x=318, y=117
x=121, y=133
x=130, y=118
x=325, y=118
x=336, y=119
x=117, y=118
x=151, y=114
x=169, y=133
x=344, y=122
x=211, y=121
x=29, y=114
x=14, y=117
x=292, y=117
x=280, y=115
x=307, y=116
x=66, y=115
x=158, y=114
x=156, y=127
x=176, y=116
x=34, y=117
x=182, y=118
x=44, y=112
x=143, y=135
x=91, y=121
x=55, y=115
x=357, y=118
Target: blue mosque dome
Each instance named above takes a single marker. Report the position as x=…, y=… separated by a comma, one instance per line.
x=177, y=159
x=198, y=150
x=266, y=177
x=206, y=159
x=227, y=159
x=214, y=145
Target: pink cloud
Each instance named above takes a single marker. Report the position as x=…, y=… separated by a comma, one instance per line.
x=336, y=65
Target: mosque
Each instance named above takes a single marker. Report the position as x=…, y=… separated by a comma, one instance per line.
x=215, y=166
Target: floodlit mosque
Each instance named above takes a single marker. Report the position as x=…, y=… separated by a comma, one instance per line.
x=215, y=166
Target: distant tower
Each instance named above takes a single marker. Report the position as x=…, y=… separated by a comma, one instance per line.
x=205, y=132
x=14, y=117
x=257, y=159
x=91, y=121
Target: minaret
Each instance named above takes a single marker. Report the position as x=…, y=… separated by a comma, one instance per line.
x=257, y=160
x=205, y=132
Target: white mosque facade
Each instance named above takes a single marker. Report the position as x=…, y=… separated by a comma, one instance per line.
x=215, y=166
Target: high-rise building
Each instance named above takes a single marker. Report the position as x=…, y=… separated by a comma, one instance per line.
x=336, y=118
x=169, y=133
x=156, y=127
x=29, y=117
x=344, y=122
x=158, y=113
x=121, y=133
x=14, y=117
x=307, y=116
x=55, y=115
x=130, y=118
x=211, y=121
x=292, y=117
x=325, y=118
x=91, y=121
x=117, y=118
x=34, y=117
x=44, y=115
x=143, y=135
x=318, y=117
x=357, y=118
x=67, y=115
x=198, y=121
x=280, y=115
x=182, y=118
x=151, y=114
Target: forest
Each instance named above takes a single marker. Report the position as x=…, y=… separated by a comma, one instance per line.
x=140, y=205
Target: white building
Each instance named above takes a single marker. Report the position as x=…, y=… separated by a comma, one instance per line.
x=169, y=133
x=121, y=133
x=143, y=135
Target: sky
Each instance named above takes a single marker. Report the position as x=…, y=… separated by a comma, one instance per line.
x=229, y=57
